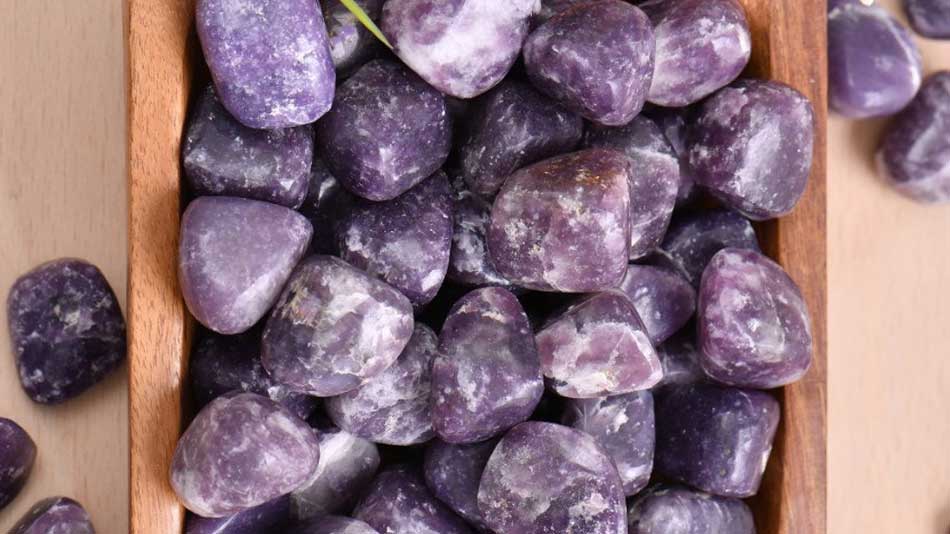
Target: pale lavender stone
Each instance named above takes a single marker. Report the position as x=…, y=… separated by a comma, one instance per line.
x=325, y=204
x=398, y=502
x=597, y=347
x=334, y=328
x=469, y=262
x=914, y=156
x=347, y=465
x=752, y=147
x=674, y=122
x=695, y=237
x=596, y=60
x=670, y=509
x=545, y=478
x=234, y=255
x=387, y=131
x=66, y=329
x=930, y=18
x=564, y=224
x=268, y=517
x=55, y=515
x=754, y=328
x=453, y=473
x=663, y=297
x=680, y=356
x=333, y=525
x=270, y=59
x=713, y=438
x=17, y=454
x=486, y=377
x=217, y=469
x=624, y=426
x=393, y=407
x=351, y=44
x=462, y=47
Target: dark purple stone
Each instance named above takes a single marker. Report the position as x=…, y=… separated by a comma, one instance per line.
x=663, y=297
x=695, y=237
x=66, y=329
x=674, y=123
x=453, y=473
x=333, y=525
x=17, y=454
x=469, y=263
x=347, y=466
x=351, y=44
x=55, y=515
x=678, y=510
x=273, y=514
x=398, y=502
x=680, y=358
x=930, y=18
x=325, y=204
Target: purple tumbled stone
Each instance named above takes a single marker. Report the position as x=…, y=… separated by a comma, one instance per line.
x=674, y=123
x=17, y=454
x=453, y=473
x=664, y=299
x=217, y=469
x=624, y=426
x=347, y=465
x=66, y=329
x=714, y=438
x=333, y=525
x=351, y=44
x=334, y=328
x=694, y=238
x=545, y=478
x=234, y=255
x=930, y=18
x=387, y=131
x=325, y=204
x=398, y=502
x=486, y=377
x=595, y=59
x=914, y=156
x=549, y=8
x=754, y=329
x=55, y=515
x=469, y=263
x=678, y=510
x=564, y=224
x=597, y=347
x=680, y=359
x=268, y=517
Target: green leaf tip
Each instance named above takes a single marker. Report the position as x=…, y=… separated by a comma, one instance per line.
x=366, y=21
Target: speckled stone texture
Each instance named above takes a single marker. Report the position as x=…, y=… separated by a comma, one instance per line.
x=564, y=224
x=398, y=502
x=549, y=8
x=752, y=147
x=333, y=525
x=596, y=60
x=674, y=123
x=469, y=262
x=406, y=241
x=874, y=66
x=347, y=465
x=17, y=454
x=270, y=59
x=351, y=44
x=624, y=426
x=914, y=156
x=66, y=329
x=217, y=469
x=334, y=328
x=695, y=237
x=679, y=510
x=514, y=126
x=453, y=473
x=462, y=47
x=716, y=439
x=393, y=408
x=930, y=18
x=234, y=255
x=545, y=478
x=680, y=359
x=268, y=517
x=56, y=515
x=325, y=204
x=387, y=131
x=664, y=299
x=486, y=377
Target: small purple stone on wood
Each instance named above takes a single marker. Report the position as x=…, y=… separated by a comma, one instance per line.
x=469, y=263
x=398, y=502
x=55, y=515
x=680, y=358
x=453, y=473
x=269, y=517
x=667, y=509
x=347, y=465
x=17, y=454
x=930, y=18
x=664, y=299
x=333, y=525
x=695, y=237
x=351, y=44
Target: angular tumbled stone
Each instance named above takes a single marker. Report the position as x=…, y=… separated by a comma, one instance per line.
x=347, y=465
x=695, y=237
x=398, y=502
x=453, y=473
x=334, y=327
x=325, y=204
x=271, y=516
x=680, y=356
x=674, y=123
x=332, y=525
x=17, y=454
x=66, y=329
x=930, y=18
x=486, y=377
x=663, y=297
x=469, y=263
x=564, y=224
x=351, y=44
x=55, y=515
x=666, y=509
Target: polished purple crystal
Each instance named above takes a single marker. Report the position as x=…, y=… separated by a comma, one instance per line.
x=664, y=299
x=680, y=359
x=398, y=502
x=325, y=204
x=17, y=454
x=53, y=516
x=930, y=18
x=469, y=263
x=347, y=465
x=453, y=473
x=351, y=44
x=332, y=525
x=268, y=517
x=674, y=123
x=668, y=509
x=695, y=237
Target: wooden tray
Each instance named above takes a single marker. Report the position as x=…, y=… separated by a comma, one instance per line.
x=788, y=44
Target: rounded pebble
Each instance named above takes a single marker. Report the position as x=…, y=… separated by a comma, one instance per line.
x=351, y=44
x=398, y=502
x=453, y=473
x=346, y=467
x=680, y=357
x=678, y=510
x=469, y=262
x=17, y=454
x=53, y=516
x=695, y=237
x=333, y=525
x=664, y=299
x=269, y=517
x=930, y=18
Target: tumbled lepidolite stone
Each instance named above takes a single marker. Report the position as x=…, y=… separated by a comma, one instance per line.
x=334, y=327
x=273, y=514
x=754, y=329
x=453, y=473
x=387, y=131
x=217, y=468
x=333, y=525
x=595, y=59
x=564, y=224
x=347, y=465
x=66, y=329
x=624, y=426
x=717, y=439
x=486, y=377
x=544, y=477
x=930, y=18
x=398, y=502
x=469, y=263
x=351, y=44
x=325, y=204
x=664, y=299
x=17, y=454
x=549, y=8
x=674, y=123
x=694, y=238
x=55, y=515
x=680, y=358
x=668, y=509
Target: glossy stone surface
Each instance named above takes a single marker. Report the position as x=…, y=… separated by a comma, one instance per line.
x=270, y=59
x=664, y=299
x=398, y=502
x=55, y=515
x=347, y=465
x=453, y=473
x=234, y=255
x=66, y=329
x=596, y=60
x=752, y=147
x=461, y=47
x=351, y=44
x=469, y=262
x=564, y=224
x=217, y=469
x=333, y=525
x=544, y=478
x=674, y=123
x=334, y=328
x=713, y=438
x=754, y=329
x=270, y=516
x=17, y=454
x=674, y=509
x=930, y=18
x=695, y=237
x=486, y=377
x=680, y=357
x=624, y=427
x=387, y=131
x=325, y=204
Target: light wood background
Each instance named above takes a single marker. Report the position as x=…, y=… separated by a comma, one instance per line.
x=63, y=192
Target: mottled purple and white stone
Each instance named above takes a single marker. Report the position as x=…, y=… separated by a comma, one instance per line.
x=17, y=454
x=453, y=473
x=271, y=516
x=234, y=255
x=332, y=525
x=914, y=156
x=334, y=328
x=663, y=297
x=674, y=123
x=351, y=44
x=670, y=509
x=545, y=478
x=55, y=515
x=714, y=438
x=66, y=329
x=624, y=426
x=549, y=8
x=217, y=469
x=461, y=47
x=270, y=59
x=930, y=18
x=486, y=377
x=680, y=356
x=596, y=60
x=695, y=237
x=398, y=502
x=325, y=204
x=405, y=242
x=347, y=465
x=564, y=224
x=469, y=262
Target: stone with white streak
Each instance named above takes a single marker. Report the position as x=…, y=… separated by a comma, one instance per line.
x=398, y=502
x=332, y=525
x=930, y=18
x=271, y=516
x=55, y=515
x=346, y=467
x=680, y=358
x=664, y=299
x=674, y=123
x=17, y=455
x=469, y=263
x=672, y=509
x=549, y=8
x=453, y=473
x=351, y=44
x=695, y=237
